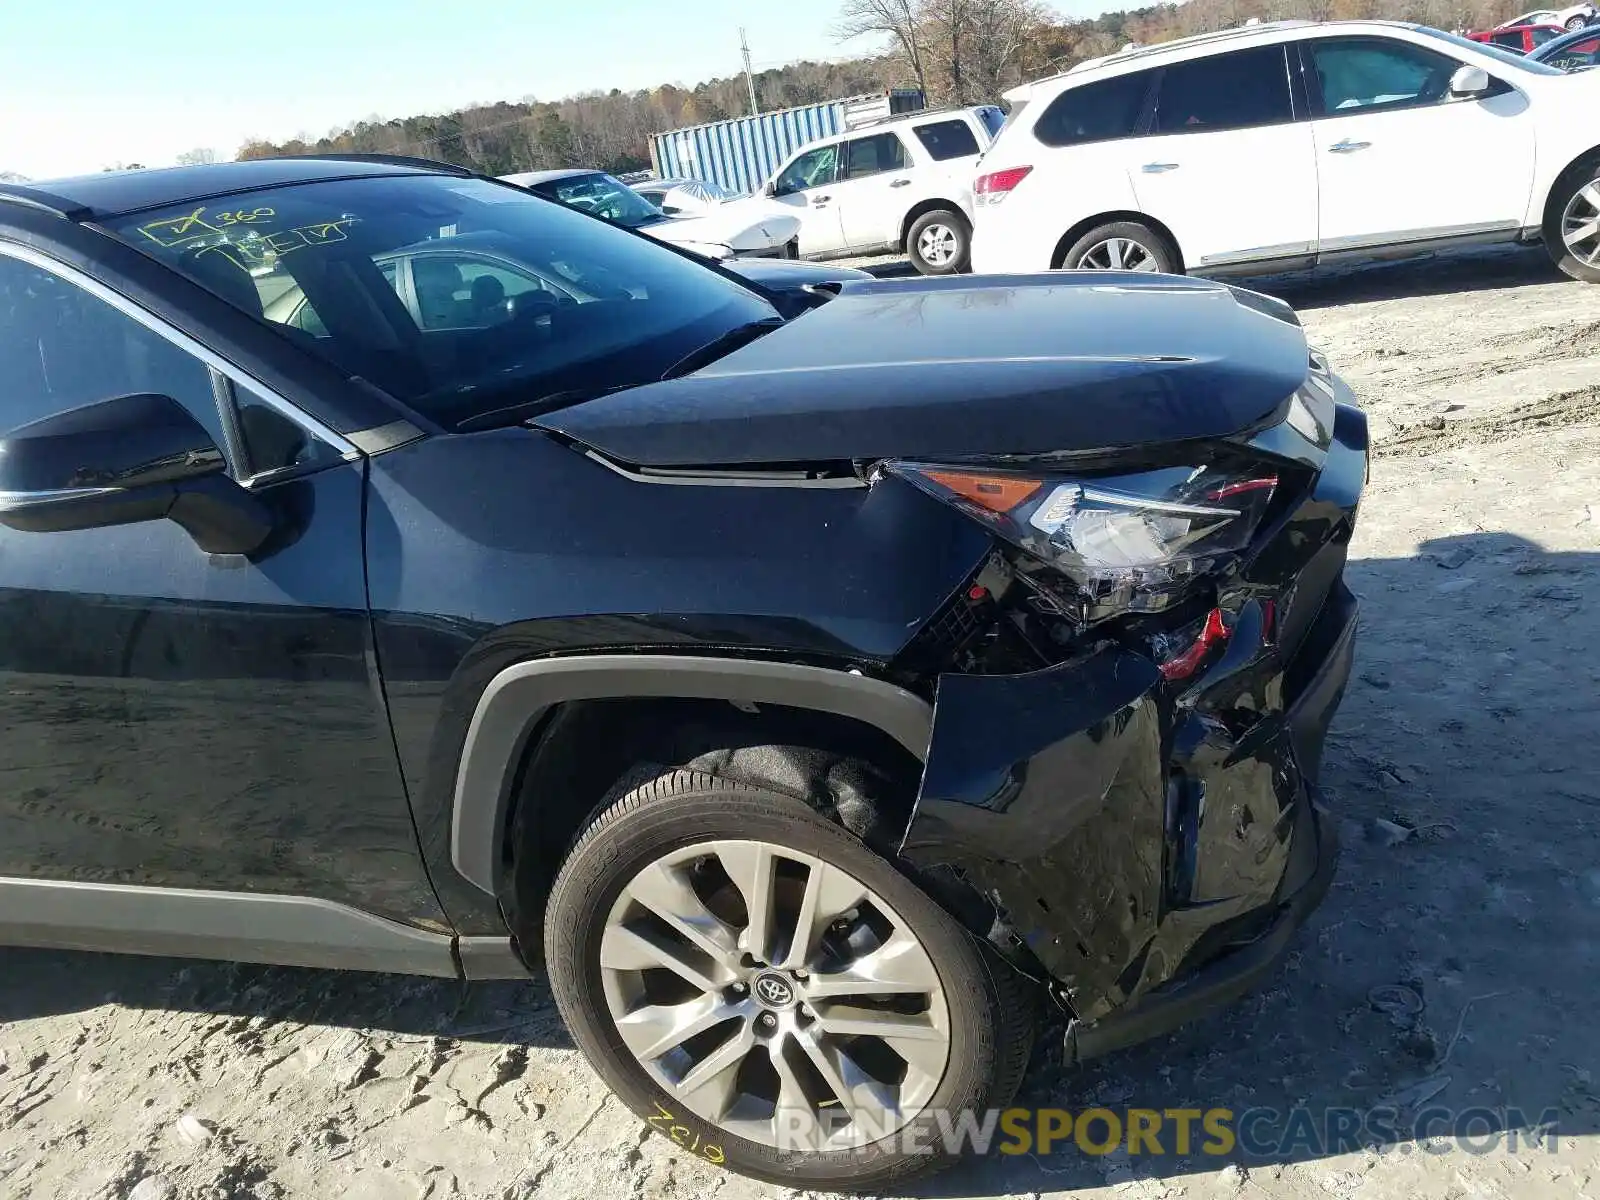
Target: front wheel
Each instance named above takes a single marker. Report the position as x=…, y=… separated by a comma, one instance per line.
x=766, y=991
x=1121, y=246
x=1577, y=22
x=940, y=243
x=1572, y=222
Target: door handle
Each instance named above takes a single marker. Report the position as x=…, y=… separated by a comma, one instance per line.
x=819, y=201
x=901, y=183
x=1346, y=146
x=1157, y=168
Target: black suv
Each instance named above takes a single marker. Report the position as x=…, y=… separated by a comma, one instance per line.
x=825, y=683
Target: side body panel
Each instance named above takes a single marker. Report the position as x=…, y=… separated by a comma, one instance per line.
x=498, y=548
x=182, y=720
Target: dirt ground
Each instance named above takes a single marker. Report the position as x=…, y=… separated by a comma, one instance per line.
x=1454, y=962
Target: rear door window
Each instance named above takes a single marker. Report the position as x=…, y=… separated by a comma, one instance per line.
x=1095, y=112
x=947, y=139
x=867, y=156
x=1239, y=90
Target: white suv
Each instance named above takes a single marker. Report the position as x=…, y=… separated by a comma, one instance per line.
x=901, y=184
x=1292, y=144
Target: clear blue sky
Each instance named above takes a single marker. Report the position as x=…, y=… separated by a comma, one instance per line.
x=85, y=84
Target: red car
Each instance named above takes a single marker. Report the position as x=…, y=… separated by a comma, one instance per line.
x=1519, y=38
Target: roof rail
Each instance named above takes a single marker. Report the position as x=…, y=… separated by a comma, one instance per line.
x=397, y=160
x=31, y=197
x=913, y=115
x=1133, y=50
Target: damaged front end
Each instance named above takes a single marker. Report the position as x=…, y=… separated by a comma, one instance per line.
x=1132, y=695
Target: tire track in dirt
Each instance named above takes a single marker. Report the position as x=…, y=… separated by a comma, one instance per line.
x=1557, y=410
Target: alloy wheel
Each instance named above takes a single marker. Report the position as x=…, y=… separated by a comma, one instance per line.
x=1118, y=254
x=775, y=995
x=937, y=245
x=1580, y=224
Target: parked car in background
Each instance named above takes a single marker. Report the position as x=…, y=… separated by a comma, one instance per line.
x=1292, y=144
x=817, y=699
x=1519, y=39
x=1575, y=16
x=1577, y=51
x=683, y=197
x=899, y=185
x=723, y=234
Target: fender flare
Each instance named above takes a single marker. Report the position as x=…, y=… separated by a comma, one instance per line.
x=517, y=699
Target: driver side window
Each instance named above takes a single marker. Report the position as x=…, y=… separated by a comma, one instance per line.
x=1372, y=74
x=812, y=169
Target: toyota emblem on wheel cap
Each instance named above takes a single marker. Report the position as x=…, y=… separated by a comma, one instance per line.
x=774, y=990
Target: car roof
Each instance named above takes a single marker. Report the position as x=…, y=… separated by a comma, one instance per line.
x=114, y=193
x=879, y=124
x=1240, y=37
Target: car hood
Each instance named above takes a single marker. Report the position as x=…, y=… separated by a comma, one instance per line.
x=961, y=367
x=741, y=231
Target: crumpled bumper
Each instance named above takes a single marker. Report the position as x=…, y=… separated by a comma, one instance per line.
x=1153, y=846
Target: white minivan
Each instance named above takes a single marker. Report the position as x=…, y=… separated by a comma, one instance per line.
x=903, y=184
x=1292, y=144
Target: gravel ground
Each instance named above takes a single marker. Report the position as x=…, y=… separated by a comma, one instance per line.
x=1453, y=964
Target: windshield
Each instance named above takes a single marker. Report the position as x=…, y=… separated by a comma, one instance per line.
x=1505, y=56
x=602, y=196
x=457, y=296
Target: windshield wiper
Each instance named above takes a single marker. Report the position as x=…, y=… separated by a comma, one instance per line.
x=526, y=410
x=723, y=344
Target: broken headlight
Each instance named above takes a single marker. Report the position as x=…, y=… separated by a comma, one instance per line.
x=1129, y=543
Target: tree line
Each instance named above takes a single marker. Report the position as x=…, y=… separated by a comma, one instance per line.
x=957, y=51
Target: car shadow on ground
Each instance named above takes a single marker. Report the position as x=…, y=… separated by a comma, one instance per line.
x=40, y=983
x=1439, y=980
x=1448, y=272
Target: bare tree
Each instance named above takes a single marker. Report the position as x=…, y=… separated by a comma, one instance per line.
x=898, y=20
x=199, y=156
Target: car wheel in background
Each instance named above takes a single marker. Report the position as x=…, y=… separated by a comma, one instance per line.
x=940, y=243
x=763, y=989
x=1577, y=22
x=1121, y=246
x=1572, y=222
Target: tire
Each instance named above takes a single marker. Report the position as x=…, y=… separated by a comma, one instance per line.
x=940, y=243
x=989, y=1010
x=1100, y=248
x=1570, y=210
x=1575, y=23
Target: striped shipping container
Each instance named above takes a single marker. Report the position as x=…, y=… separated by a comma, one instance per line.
x=742, y=154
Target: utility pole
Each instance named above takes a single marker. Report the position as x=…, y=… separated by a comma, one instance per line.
x=749, y=78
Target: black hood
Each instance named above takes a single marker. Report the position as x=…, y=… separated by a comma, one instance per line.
x=950, y=368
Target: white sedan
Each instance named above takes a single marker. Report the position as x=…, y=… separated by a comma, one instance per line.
x=684, y=197
x=730, y=231
x=1575, y=17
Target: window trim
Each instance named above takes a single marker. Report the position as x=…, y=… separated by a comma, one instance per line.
x=1153, y=100
x=234, y=375
x=1317, y=102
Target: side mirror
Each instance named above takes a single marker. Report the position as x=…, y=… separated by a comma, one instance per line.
x=771, y=190
x=1469, y=82
x=132, y=458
